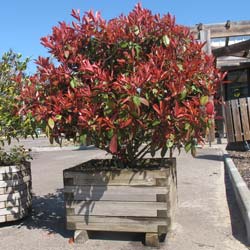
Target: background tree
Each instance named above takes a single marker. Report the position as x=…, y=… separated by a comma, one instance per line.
x=12, y=76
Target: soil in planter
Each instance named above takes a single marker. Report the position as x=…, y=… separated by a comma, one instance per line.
x=242, y=162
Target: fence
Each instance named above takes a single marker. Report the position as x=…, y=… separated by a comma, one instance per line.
x=237, y=117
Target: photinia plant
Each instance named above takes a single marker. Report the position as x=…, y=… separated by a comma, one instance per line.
x=135, y=84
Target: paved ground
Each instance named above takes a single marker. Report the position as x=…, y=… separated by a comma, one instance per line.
x=207, y=216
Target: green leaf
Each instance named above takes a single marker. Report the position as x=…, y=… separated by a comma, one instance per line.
x=156, y=122
x=136, y=100
x=73, y=83
x=58, y=117
x=204, y=100
x=193, y=151
x=187, y=126
x=188, y=146
x=180, y=66
x=66, y=54
x=166, y=40
x=169, y=143
x=155, y=91
x=183, y=94
x=136, y=30
x=124, y=45
x=164, y=151
x=51, y=123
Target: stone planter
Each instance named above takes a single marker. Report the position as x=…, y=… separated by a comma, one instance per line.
x=102, y=197
x=15, y=192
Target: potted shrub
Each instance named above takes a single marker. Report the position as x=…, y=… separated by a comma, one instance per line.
x=134, y=85
x=15, y=174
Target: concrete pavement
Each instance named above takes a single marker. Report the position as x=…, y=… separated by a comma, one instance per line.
x=207, y=216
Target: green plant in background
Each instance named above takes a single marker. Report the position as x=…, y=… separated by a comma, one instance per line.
x=12, y=76
x=16, y=156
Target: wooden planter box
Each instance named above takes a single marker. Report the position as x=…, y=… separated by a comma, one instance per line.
x=15, y=192
x=106, y=198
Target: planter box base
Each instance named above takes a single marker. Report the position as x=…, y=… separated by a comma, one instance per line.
x=121, y=200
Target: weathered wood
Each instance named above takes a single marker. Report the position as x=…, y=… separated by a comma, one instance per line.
x=114, y=227
x=13, y=183
x=13, y=210
x=115, y=193
x=232, y=49
x=117, y=178
x=15, y=175
x=116, y=181
x=119, y=220
x=220, y=30
x=10, y=189
x=236, y=120
x=24, y=201
x=15, y=192
x=152, y=240
x=113, y=208
x=13, y=169
x=14, y=216
x=244, y=118
x=229, y=122
x=14, y=196
x=81, y=236
x=120, y=200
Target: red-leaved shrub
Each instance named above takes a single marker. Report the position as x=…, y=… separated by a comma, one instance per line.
x=135, y=84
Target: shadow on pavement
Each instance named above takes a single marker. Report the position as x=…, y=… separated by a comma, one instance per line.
x=237, y=224
x=48, y=214
x=209, y=157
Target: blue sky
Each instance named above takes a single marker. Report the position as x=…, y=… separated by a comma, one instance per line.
x=24, y=22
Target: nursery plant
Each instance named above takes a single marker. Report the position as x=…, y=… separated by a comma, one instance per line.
x=135, y=84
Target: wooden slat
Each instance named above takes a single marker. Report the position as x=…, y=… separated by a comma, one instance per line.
x=14, y=196
x=124, y=220
x=229, y=122
x=245, y=118
x=13, y=183
x=8, y=190
x=236, y=120
x=12, y=210
x=241, y=28
x=14, y=217
x=118, y=174
x=113, y=227
x=24, y=201
x=108, y=208
x=231, y=49
x=115, y=193
x=115, y=180
x=13, y=169
x=14, y=175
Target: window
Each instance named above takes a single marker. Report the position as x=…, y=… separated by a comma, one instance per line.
x=239, y=84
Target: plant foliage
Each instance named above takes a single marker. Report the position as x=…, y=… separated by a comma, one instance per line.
x=135, y=84
x=16, y=156
x=12, y=76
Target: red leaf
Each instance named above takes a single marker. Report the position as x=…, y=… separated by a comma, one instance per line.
x=76, y=14
x=210, y=108
x=126, y=123
x=156, y=108
x=144, y=101
x=113, y=144
x=71, y=240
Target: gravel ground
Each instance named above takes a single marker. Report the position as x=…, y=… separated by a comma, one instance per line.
x=242, y=162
